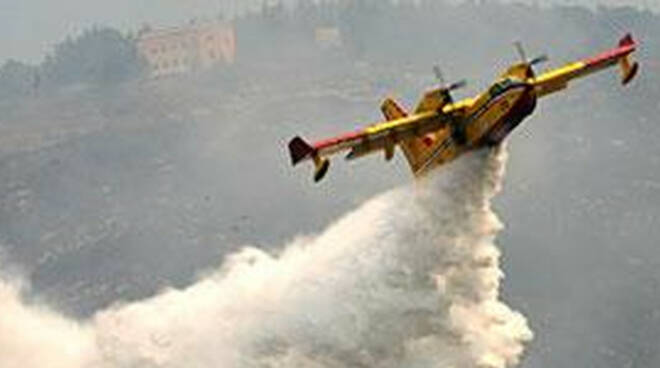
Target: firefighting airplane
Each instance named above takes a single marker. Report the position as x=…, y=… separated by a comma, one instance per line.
x=440, y=130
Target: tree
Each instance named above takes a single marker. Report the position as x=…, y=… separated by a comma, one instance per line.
x=99, y=56
x=18, y=79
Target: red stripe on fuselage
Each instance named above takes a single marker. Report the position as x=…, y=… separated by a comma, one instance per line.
x=339, y=139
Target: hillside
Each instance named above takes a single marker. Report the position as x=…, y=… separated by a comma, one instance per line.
x=111, y=194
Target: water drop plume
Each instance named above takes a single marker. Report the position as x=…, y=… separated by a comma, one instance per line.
x=409, y=279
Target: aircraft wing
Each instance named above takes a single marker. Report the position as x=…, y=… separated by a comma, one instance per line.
x=379, y=137
x=557, y=79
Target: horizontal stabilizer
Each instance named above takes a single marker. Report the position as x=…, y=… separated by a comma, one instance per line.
x=300, y=150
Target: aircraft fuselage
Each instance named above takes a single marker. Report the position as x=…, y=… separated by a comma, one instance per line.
x=507, y=110
x=494, y=115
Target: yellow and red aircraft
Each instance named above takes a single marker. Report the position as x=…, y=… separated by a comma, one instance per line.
x=440, y=130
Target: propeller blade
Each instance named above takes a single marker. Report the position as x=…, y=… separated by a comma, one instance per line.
x=458, y=85
x=447, y=88
x=539, y=60
x=521, y=51
x=438, y=75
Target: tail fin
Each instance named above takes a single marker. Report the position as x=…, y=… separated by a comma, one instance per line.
x=628, y=68
x=299, y=150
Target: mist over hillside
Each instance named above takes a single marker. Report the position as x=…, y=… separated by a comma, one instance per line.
x=110, y=193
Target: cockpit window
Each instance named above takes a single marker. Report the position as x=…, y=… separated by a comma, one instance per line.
x=496, y=89
x=500, y=87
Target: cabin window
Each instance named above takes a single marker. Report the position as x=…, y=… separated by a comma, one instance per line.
x=496, y=89
x=500, y=87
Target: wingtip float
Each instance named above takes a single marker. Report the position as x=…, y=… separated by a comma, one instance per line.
x=439, y=130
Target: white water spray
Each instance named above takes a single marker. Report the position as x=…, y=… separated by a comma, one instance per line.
x=410, y=279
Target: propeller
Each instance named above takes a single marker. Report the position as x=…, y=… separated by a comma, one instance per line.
x=521, y=51
x=539, y=60
x=523, y=57
x=448, y=87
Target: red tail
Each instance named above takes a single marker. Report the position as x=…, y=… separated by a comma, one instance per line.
x=627, y=40
x=299, y=150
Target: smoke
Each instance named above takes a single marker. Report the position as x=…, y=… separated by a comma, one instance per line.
x=411, y=278
x=32, y=337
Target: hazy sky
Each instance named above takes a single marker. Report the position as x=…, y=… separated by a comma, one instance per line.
x=30, y=27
